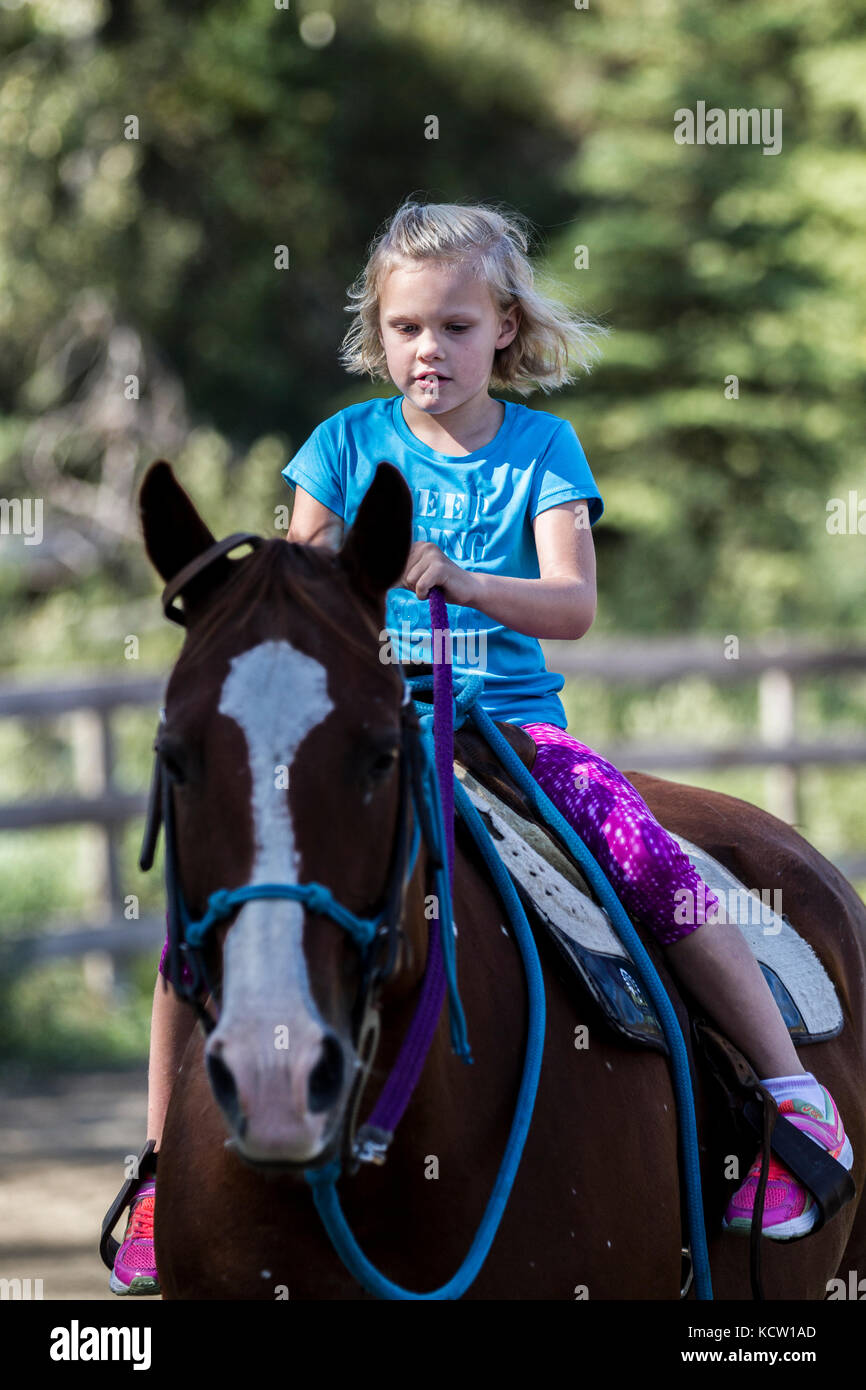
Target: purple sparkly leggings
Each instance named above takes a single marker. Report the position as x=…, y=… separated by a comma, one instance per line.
x=644, y=864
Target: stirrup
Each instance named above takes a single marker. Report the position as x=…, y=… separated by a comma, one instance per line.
x=823, y=1176
x=146, y=1168
x=831, y=1185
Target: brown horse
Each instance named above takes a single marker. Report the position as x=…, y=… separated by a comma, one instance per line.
x=280, y=671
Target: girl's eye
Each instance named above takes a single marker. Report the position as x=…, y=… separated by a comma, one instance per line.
x=406, y=328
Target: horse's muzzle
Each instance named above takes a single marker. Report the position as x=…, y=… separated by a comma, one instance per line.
x=282, y=1106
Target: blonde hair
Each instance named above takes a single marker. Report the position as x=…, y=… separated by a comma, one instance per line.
x=496, y=244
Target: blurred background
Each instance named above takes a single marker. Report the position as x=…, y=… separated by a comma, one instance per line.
x=153, y=156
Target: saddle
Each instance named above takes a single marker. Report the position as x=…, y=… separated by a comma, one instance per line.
x=556, y=894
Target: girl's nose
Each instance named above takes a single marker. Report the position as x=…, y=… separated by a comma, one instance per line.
x=427, y=347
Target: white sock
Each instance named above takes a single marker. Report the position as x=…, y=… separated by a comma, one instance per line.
x=803, y=1086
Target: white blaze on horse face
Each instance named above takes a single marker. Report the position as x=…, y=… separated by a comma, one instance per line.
x=277, y=695
x=270, y=1031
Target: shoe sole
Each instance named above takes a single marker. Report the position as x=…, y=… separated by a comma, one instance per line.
x=141, y=1284
x=798, y=1225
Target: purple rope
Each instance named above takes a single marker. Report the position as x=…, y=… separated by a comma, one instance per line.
x=443, y=719
x=397, y=1091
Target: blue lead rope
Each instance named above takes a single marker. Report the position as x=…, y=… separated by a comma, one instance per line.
x=323, y=1180
x=646, y=971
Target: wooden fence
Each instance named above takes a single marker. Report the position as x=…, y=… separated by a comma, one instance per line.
x=87, y=712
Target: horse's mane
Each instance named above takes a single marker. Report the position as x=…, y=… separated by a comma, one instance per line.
x=280, y=573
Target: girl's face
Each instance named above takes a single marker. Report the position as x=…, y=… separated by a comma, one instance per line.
x=436, y=318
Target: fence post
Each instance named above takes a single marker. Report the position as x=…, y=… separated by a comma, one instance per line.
x=777, y=720
x=93, y=764
x=93, y=759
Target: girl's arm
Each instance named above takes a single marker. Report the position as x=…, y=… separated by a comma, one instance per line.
x=560, y=604
x=313, y=524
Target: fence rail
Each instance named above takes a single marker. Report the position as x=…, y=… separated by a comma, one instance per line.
x=88, y=706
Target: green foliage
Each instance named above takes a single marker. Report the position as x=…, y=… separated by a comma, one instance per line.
x=153, y=259
x=50, y=1018
x=706, y=261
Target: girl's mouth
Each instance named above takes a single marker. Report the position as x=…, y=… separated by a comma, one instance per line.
x=430, y=382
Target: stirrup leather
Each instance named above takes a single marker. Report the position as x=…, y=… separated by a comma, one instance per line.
x=831, y=1185
x=146, y=1168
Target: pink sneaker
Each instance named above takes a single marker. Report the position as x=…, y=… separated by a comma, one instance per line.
x=790, y=1210
x=135, y=1266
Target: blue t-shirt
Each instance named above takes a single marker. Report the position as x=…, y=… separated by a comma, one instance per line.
x=478, y=508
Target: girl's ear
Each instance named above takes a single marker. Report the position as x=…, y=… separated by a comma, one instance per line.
x=511, y=332
x=376, y=549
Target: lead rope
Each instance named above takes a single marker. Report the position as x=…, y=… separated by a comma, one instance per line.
x=376, y=1134
x=647, y=974
x=443, y=720
x=323, y=1180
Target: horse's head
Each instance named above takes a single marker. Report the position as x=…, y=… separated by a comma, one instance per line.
x=282, y=740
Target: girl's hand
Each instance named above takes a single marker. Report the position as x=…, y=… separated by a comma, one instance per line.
x=427, y=567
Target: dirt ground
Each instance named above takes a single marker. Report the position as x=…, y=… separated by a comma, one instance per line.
x=63, y=1142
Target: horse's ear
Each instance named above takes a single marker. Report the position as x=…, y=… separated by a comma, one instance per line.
x=174, y=533
x=375, y=551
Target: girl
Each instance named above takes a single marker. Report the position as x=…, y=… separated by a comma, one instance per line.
x=504, y=505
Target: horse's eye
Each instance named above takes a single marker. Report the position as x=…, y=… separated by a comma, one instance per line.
x=383, y=763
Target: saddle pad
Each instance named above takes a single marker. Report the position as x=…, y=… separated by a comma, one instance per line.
x=555, y=894
x=775, y=945
x=551, y=883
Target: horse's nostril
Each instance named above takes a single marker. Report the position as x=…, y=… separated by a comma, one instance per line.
x=326, y=1078
x=225, y=1091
